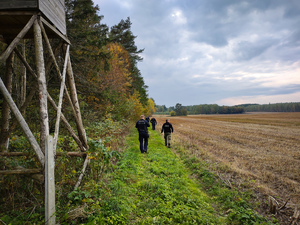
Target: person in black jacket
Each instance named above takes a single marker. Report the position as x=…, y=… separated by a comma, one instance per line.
x=167, y=128
x=153, y=122
x=141, y=126
x=148, y=119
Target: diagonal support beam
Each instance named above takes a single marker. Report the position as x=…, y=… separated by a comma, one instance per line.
x=22, y=123
x=17, y=39
x=72, y=102
x=62, y=85
x=64, y=120
x=73, y=91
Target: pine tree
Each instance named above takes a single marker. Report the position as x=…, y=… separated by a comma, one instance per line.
x=121, y=33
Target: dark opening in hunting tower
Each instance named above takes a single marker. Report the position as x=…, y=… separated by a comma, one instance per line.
x=14, y=14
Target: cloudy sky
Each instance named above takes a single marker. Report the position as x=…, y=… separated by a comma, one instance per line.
x=226, y=52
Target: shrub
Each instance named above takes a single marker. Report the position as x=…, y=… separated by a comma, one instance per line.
x=172, y=113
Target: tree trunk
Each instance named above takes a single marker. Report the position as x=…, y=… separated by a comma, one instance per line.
x=6, y=110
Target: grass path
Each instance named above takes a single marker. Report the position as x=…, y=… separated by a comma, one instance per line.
x=155, y=188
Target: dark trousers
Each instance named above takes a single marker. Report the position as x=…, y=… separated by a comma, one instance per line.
x=167, y=137
x=143, y=138
x=153, y=126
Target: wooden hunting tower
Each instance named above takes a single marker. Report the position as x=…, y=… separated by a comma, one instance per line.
x=16, y=13
x=40, y=20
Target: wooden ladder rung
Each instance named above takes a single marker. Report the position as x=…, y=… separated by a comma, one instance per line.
x=20, y=171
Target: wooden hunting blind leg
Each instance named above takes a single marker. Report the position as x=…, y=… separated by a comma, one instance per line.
x=40, y=66
x=49, y=182
x=47, y=142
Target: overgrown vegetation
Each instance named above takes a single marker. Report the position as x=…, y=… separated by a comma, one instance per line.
x=22, y=197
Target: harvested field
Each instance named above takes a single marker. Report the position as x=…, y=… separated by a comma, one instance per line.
x=261, y=148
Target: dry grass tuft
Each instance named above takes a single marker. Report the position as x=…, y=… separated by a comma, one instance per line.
x=77, y=213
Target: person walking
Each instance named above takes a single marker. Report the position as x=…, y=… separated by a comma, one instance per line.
x=141, y=126
x=148, y=119
x=153, y=122
x=167, y=128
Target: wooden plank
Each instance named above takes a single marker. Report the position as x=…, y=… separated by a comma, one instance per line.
x=55, y=31
x=13, y=154
x=73, y=154
x=18, y=4
x=17, y=13
x=20, y=171
x=49, y=182
x=55, y=13
x=16, y=154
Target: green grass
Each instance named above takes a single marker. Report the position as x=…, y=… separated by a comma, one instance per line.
x=159, y=188
x=155, y=188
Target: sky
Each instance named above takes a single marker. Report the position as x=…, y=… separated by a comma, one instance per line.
x=224, y=52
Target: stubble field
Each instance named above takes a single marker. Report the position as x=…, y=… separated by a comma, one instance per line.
x=261, y=149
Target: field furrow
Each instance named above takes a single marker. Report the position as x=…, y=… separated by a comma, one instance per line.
x=261, y=147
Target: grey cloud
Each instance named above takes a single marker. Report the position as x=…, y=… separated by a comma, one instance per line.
x=246, y=50
x=206, y=59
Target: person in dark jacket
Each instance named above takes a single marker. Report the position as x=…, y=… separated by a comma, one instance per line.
x=153, y=122
x=167, y=128
x=148, y=119
x=141, y=126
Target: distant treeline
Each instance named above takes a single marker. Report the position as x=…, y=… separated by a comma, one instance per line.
x=199, y=109
x=216, y=109
x=277, y=107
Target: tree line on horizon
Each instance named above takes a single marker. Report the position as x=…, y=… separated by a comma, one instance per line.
x=179, y=110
